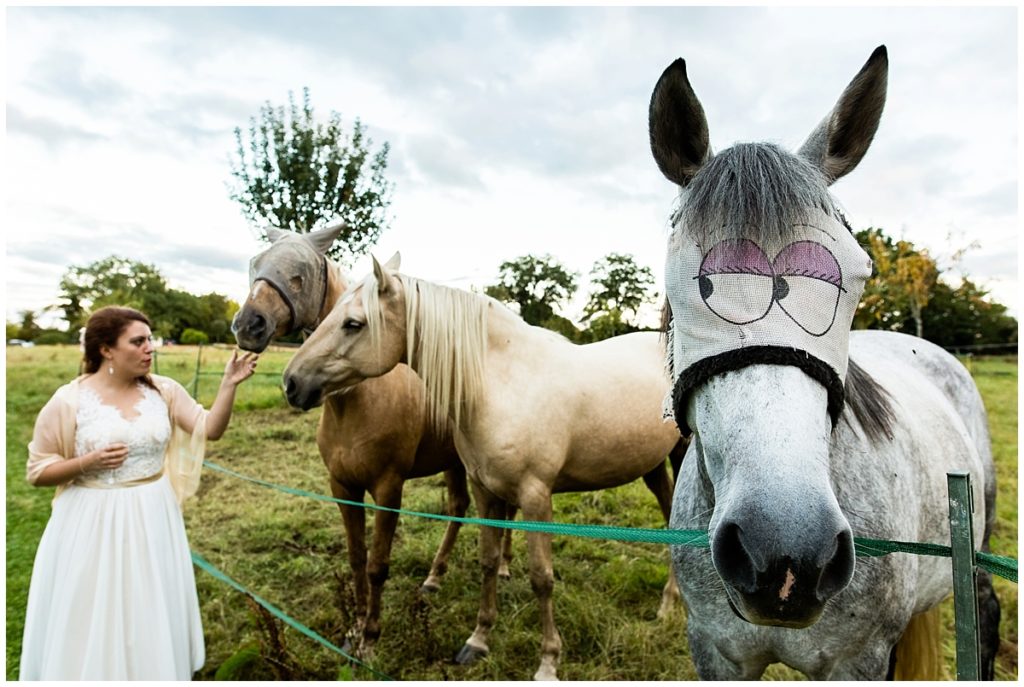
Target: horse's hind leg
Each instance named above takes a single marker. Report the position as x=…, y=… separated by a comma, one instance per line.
x=506, y=548
x=676, y=455
x=660, y=484
x=988, y=619
x=354, y=520
x=458, y=503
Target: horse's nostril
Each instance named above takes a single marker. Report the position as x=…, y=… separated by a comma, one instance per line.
x=839, y=570
x=258, y=324
x=732, y=559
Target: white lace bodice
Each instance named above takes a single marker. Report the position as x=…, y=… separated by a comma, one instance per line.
x=100, y=425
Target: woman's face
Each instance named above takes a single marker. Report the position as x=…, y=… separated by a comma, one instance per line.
x=133, y=353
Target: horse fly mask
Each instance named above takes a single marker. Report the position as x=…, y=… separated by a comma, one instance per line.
x=294, y=276
x=736, y=303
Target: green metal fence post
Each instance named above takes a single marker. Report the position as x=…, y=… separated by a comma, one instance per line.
x=195, y=383
x=965, y=590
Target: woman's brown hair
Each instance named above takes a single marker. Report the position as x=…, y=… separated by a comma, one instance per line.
x=104, y=328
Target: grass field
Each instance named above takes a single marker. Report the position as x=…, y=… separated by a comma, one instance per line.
x=290, y=551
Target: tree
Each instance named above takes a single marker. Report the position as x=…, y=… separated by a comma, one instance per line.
x=118, y=281
x=622, y=287
x=965, y=316
x=298, y=174
x=907, y=293
x=110, y=281
x=536, y=284
x=901, y=286
x=29, y=329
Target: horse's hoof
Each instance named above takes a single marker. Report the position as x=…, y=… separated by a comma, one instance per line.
x=469, y=654
x=430, y=585
x=503, y=572
x=347, y=647
x=546, y=673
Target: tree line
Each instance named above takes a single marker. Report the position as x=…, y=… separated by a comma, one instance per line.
x=175, y=315
x=294, y=173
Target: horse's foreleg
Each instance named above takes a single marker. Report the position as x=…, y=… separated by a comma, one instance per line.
x=354, y=520
x=458, y=503
x=536, y=505
x=388, y=494
x=660, y=484
x=506, y=548
x=492, y=508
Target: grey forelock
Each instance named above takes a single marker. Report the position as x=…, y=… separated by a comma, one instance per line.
x=757, y=191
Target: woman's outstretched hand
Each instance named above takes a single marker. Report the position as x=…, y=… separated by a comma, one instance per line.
x=240, y=369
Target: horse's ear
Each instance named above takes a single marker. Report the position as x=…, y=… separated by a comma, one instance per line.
x=394, y=262
x=842, y=138
x=382, y=274
x=323, y=239
x=274, y=235
x=677, y=126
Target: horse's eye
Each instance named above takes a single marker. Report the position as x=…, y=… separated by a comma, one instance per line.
x=352, y=325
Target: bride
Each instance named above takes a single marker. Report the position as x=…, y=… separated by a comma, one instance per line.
x=113, y=595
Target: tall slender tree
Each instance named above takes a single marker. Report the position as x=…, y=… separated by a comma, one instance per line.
x=293, y=172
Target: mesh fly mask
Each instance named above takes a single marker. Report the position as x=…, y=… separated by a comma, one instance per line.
x=295, y=270
x=737, y=303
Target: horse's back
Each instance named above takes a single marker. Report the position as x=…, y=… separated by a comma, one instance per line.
x=946, y=373
x=939, y=366
x=938, y=427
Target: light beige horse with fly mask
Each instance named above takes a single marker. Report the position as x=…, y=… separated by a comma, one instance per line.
x=534, y=413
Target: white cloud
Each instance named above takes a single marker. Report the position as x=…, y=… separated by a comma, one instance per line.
x=513, y=131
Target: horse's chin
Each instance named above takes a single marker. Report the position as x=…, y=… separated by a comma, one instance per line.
x=796, y=619
x=252, y=344
x=340, y=391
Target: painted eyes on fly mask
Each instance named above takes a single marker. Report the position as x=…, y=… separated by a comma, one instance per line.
x=740, y=285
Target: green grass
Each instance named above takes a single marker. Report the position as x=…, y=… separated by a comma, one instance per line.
x=291, y=551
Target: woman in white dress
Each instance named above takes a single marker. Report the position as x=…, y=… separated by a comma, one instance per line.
x=113, y=594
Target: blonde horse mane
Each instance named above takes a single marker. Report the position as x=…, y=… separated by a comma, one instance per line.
x=446, y=342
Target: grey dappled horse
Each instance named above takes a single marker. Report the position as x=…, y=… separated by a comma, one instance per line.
x=805, y=434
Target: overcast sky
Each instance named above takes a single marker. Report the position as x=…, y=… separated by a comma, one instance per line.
x=512, y=130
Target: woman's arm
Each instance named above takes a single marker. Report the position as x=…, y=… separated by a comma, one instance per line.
x=236, y=371
x=63, y=471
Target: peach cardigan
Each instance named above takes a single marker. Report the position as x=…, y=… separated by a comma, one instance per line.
x=54, y=436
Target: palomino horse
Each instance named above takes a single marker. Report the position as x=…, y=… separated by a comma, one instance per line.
x=373, y=437
x=805, y=433
x=534, y=413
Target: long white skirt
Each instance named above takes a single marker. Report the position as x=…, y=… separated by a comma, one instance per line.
x=113, y=595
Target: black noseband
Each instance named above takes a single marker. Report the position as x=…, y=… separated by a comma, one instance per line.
x=739, y=358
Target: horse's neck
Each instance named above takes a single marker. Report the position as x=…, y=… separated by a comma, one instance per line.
x=504, y=328
x=449, y=342
x=336, y=286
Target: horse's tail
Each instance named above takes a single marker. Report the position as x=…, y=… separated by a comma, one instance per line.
x=918, y=654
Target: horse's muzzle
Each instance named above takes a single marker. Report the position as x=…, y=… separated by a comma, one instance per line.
x=252, y=331
x=766, y=587
x=299, y=395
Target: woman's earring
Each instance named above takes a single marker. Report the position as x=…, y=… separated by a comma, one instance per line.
x=110, y=368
